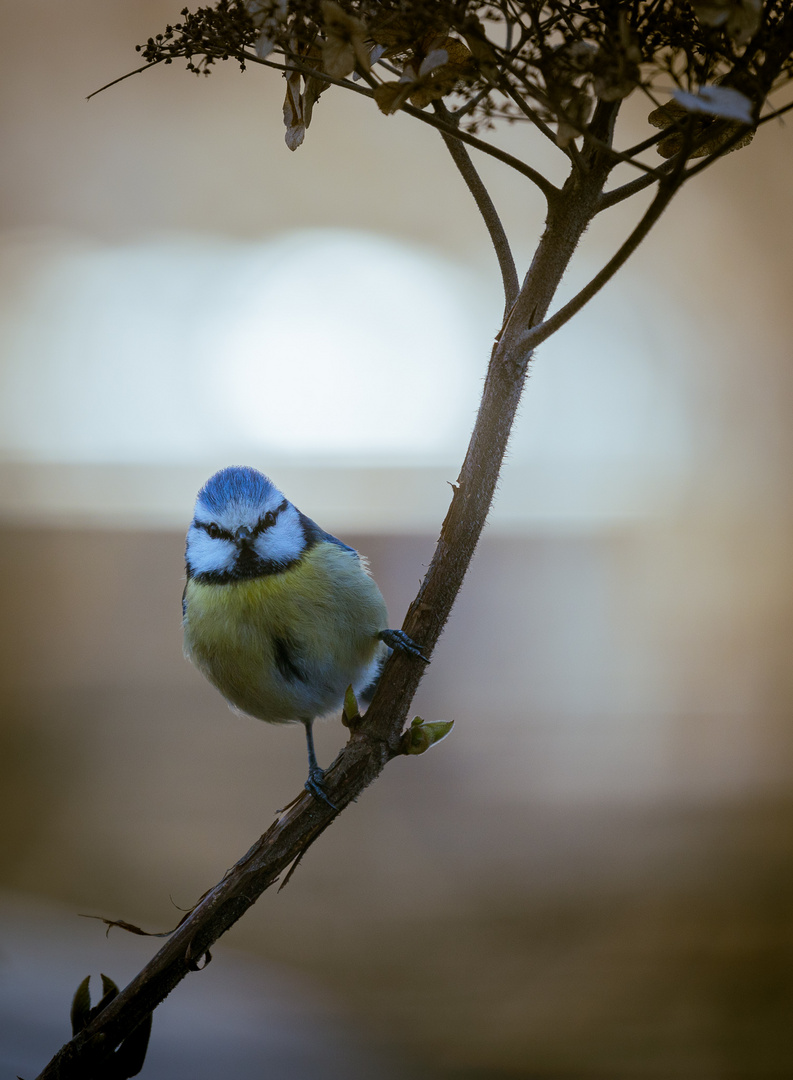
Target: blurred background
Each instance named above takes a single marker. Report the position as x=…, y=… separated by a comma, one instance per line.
x=593, y=876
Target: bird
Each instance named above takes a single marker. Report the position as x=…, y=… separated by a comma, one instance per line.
x=279, y=615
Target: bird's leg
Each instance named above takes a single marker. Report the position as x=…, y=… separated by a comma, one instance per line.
x=315, y=774
x=398, y=639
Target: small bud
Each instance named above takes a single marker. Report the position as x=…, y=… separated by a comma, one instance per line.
x=350, y=713
x=109, y=991
x=419, y=737
x=81, y=1006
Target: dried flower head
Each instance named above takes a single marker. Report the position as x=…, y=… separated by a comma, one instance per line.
x=547, y=63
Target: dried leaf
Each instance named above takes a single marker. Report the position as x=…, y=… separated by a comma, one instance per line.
x=712, y=12
x=345, y=41
x=722, y=101
x=264, y=45
x=338, y=57
x=744, y=21
x=375, y=54
x=122, y=925
x=311, y=93
x=740, y=18
x=433, y=60
x=573, y=118
x=615, y=67
x=391, y=96
x=293, y=112
x=263, y=11
x=481, y=49
x=668, y=115
x=441, y=77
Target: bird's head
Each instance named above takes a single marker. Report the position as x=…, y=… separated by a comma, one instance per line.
x=242, y=527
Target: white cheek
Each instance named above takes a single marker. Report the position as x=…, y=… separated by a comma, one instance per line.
x=206, y=555
x=284, y=541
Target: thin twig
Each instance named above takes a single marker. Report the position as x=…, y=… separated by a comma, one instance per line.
x=507, y=88
x=648, y=143
x=722, y=150
x=549, y=190
x=537, y=334
x=469, y=106
x=775, y=114
x=611, y=198
x=121, y=78
x=498, y=237
x=294, y=65
x=545, y=186
x=621, y=156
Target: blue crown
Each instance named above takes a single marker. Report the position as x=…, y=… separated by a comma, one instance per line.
x=238, y=483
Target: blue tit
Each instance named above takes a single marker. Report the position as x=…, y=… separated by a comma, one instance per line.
x=279, y=615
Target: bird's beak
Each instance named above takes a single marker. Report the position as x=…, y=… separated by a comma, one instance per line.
x=243, y=535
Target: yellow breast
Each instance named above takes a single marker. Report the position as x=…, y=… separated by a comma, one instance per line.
x=286, y=646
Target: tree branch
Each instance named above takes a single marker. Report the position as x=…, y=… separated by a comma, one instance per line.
x=535, y=335
x=498, y=237
x=545, y=186
x=122, y=78
x=775, y=114
x=377, y=737
x=633, y=187
x=611, y=198
x=720, y=152
x=507, y=88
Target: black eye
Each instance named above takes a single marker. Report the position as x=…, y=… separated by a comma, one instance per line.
x=214, y=531
x=269, y=519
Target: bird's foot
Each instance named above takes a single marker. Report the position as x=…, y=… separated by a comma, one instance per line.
x=398, y=639
x=314, y=786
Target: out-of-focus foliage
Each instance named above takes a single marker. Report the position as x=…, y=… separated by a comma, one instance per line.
x=543, y=63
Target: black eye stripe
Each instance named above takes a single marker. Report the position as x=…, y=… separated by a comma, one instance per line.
x=213, y=530
x=269, y=519
x=264, y=523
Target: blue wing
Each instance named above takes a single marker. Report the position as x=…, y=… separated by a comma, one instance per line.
x=315, y=535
